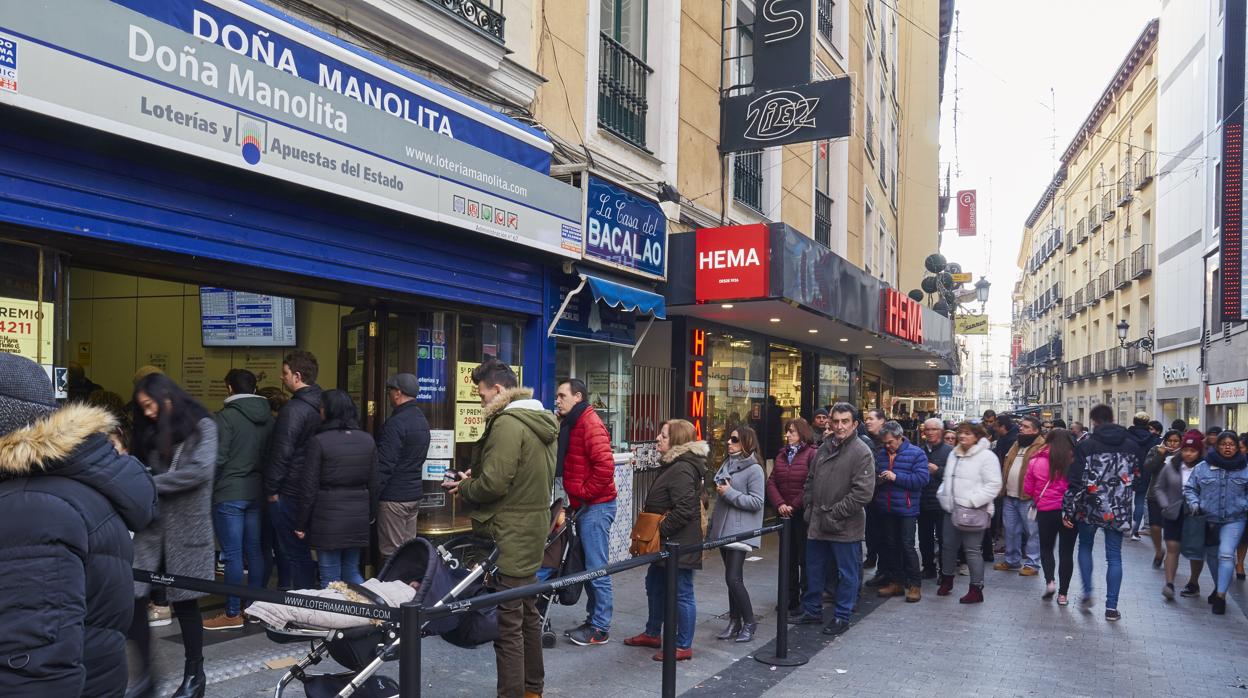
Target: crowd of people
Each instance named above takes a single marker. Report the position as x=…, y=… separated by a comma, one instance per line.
x=290, y=492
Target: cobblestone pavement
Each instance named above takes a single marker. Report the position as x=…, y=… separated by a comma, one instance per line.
x=1014, y=644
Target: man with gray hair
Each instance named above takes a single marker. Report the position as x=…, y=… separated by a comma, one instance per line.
x=901, y=472
x=931, y=516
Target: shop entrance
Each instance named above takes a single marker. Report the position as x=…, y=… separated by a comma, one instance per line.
x=784, y=395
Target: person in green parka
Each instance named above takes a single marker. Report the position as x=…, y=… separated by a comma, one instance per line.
x=509, y=491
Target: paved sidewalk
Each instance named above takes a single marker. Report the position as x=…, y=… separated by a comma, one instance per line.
x=1013, y=644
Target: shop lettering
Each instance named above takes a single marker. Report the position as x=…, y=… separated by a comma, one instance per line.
x=623, y=239
x=258, y=47
x=20, y=313
x=729, y=259
x=903, y=316
x=697, y=396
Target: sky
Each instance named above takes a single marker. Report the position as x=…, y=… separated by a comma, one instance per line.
x=999, y=117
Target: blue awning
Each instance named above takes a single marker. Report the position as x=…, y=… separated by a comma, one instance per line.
x=627, y=297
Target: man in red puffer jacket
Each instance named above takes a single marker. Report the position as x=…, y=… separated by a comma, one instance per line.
x=587, y=466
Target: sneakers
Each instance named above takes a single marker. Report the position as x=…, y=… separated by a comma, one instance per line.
x=963, y=570
x=1219, y=605
x=1190, y=590
x=1004, y=566
x=1135, y=536
x=1028, y=572
x=643, y=640
x=1062, y=600
x=913, y=594
x=582, y=626
x=223, y=622
x=973, y=595
x=836, y=627
x=1049, y=590
x=1212, y=596
x=681, y=655
x=1087, y=602
x=1112, y=614
x=1168, y=592
x=1157, y=562
x=159, y=615
x=588, y=636
x=888, y=590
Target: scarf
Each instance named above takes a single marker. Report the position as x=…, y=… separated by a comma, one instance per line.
x=1215, y=459
x=565, y=433
x=793, y=449
x=1026, y=440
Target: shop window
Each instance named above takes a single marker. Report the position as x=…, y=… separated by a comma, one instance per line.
x=784, y=397
x=736, y=389
x=833, y=381
x=608, y=374
x=26, y=297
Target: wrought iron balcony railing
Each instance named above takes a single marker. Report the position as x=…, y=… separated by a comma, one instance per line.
x=622, y=79
x=478, y=15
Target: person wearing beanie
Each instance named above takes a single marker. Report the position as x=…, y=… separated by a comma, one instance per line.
x=1218, y=488
x=68, y=498
x=1175, y=471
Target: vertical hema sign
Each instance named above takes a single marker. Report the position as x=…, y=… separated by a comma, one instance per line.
x=903, y=316
x=1234, y=300
x=785, y=106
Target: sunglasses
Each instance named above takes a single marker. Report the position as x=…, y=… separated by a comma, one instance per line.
x=733, y=440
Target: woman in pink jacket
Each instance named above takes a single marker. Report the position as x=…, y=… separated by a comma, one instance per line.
x=1045, y=483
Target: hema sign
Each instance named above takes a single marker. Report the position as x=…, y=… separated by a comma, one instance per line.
x=732, y=263
x=786, y=107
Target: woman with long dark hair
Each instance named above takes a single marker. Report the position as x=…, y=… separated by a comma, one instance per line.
x=178, y=441
x=337, y=482
x=1045, y=483
x=739, y=508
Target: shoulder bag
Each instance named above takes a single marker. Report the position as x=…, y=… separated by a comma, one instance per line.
x=645, y=535
x=967, y=518
x=1031, y=513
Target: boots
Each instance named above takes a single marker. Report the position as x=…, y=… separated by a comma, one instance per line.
x=973, y=595
x=946, y=585
x=193, y=680
x=734, y=627
x=747, y=631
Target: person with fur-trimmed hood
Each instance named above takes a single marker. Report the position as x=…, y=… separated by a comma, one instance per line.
x=509, y=491
x=69, y=498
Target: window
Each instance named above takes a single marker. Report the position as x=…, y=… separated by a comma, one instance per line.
x=823, y=199
x=622, y=71
x=868, y=237
x=747, y=179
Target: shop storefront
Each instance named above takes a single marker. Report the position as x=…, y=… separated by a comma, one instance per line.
x=1226, y=405
x=204, y=210
x=772, y=326
x=1177, y=386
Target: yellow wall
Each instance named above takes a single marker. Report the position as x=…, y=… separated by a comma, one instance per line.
x=124, y=322
x=919, y=178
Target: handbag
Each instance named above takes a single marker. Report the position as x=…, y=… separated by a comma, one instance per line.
x=1031, y=513
x=967, y=518
x=1192, y=538
x=645, y=535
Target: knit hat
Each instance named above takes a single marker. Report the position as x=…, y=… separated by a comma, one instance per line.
x=821, y=411
x=25, y=392
x=1193, y=439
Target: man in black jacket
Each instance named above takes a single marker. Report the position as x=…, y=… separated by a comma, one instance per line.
x=401, y=452
x=296, y=424
x=1006, y=432
x=931, y=516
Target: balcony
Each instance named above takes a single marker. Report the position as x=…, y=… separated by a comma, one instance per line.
x=622, y=79
x=1120, y=274
x=1107, y=205
x=1095, y=221
x=1070, y=241
x=747, y=179
x=1142, y=261
x=1085, y=368
x=1081, y=230
x=825, y=9
x=1143, y=171
x=1106, y=284
x=1072, y=370
x=823, y=218
x=1133, y=358
x=1098, y=363
x=1089, y=292
x=870, y=133
x=1125, y=190
x=477, y=15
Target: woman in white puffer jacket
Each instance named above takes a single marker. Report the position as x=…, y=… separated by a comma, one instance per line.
x=972, y=479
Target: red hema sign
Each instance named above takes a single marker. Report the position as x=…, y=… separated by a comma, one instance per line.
x=732, y=263
x=966, y=212
x=903, y=316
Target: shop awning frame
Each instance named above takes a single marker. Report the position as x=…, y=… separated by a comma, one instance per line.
x=617, y=295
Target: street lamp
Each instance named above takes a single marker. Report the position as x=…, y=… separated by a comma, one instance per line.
x=981, y=290
x=1145, y=342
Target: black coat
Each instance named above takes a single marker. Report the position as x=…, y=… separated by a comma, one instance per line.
x=336, y=485
x=938, y=455
x=1004, y=444
x=67, y=501
x=401, y=452
x=677, y=492
x=296, y=424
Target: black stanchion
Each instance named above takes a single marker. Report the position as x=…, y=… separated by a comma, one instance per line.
x=670, y=573
x=782, y=656
x=409, y=650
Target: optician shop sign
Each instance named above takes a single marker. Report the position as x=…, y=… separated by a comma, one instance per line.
x=732, y=262
x=1232, y=393
x=122, y=72
x=624, y=230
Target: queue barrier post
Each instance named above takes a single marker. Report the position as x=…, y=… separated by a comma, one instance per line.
x=671, y=570
x=410, y=623
x=781, y=656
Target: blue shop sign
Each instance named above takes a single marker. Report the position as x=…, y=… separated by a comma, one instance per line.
x=944, y=386
x=586, y=318
x=624, y=230
x=251, y=29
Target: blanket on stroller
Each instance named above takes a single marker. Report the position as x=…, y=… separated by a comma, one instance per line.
x=395, y=594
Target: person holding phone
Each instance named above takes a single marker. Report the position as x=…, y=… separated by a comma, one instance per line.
x=739, y=482
x=1154, y=462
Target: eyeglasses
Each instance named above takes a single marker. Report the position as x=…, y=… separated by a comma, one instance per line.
x=733, y=440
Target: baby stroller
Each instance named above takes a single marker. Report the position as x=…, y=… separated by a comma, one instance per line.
x=563, y=556
x=443, y=574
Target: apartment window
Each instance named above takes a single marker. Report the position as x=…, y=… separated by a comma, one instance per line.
x=1146, y=228
x=1217, y=182
x=868, y=237
x=827, y=11
x=1219, y=113
x=743, y=62
x=747, y=179
x=823, y=199
x=622, y=71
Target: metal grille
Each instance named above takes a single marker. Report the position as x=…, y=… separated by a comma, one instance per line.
x=826, y=8
x=622, y=81
x=823, y=219
x=651, y=405
x=747, y=178
x=477, y=14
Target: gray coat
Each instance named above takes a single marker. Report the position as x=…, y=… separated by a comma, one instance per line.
x=1168, y=492
x=180, y=540
x=840, y=483
x=740, y=507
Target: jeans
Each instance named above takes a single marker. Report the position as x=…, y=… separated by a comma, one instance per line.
x=237, y=524
x=931, y=531
x=1052, y=530
x=1020, y=526
x=518, y=650
x=295, y=553
x=903, y=560
x=273, y=558
x=1221, y=557
x=339, y=566
x=820, y=554
x=1137, y=514
x=1113, y=561
x=968, y=540
x=686, y=608
x=594, y=526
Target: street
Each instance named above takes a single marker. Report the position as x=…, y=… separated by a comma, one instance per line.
x=1014, y=644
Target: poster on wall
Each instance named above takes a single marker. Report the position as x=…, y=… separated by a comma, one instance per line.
x=441, y=443
x=431, y=364
x=469, y=422
x=26, y=329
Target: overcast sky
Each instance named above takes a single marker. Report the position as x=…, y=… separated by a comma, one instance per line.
x=1008, y=56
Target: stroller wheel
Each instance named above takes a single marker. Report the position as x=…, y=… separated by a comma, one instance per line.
x=548, y=640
